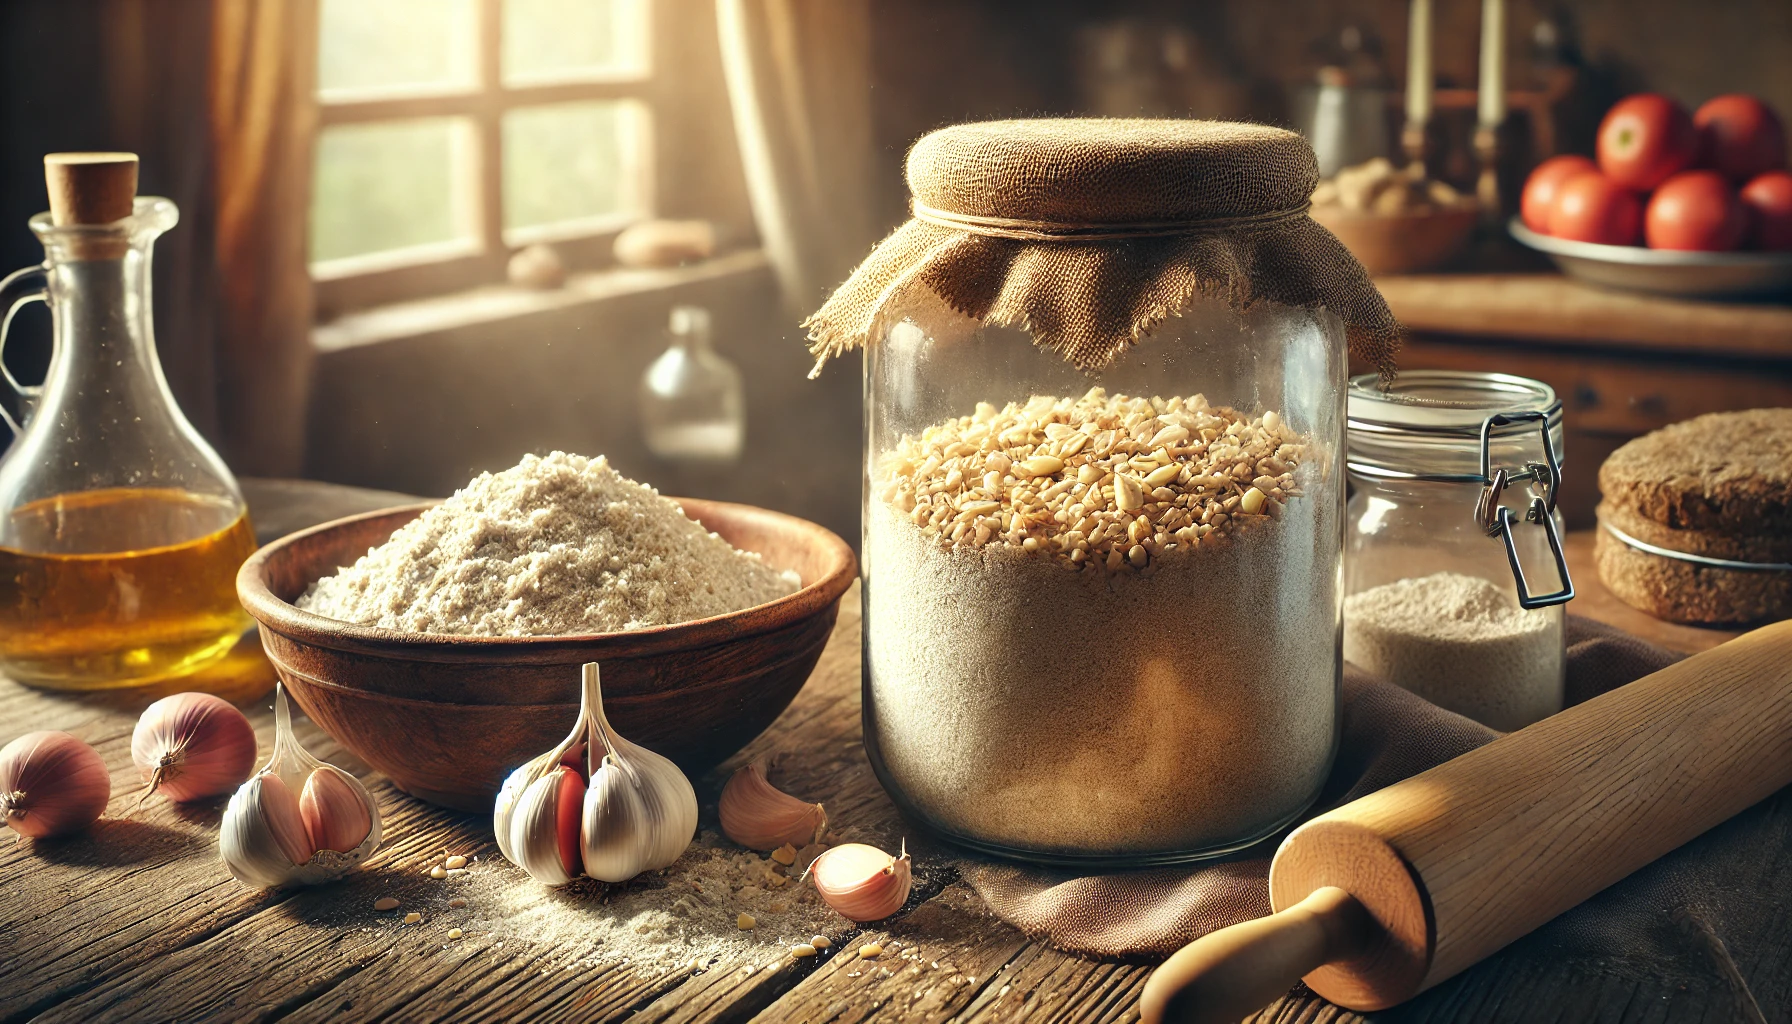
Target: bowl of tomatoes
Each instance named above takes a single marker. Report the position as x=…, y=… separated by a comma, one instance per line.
x=1695, y=204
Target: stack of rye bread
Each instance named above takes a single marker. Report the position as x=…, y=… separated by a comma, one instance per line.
x=1718, y=487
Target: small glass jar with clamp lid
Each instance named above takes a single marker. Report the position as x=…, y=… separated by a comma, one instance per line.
x=1454, y=577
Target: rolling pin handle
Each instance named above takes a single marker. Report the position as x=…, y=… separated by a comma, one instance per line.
x=1229, y=974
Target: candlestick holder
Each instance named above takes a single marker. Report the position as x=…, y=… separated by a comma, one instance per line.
x=1415, y=143
x=1487, y=183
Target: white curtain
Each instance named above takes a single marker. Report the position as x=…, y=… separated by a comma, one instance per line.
x=799, y=82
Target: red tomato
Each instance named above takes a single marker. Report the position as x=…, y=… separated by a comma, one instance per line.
x=1695, y=210
x=1740, y=136
x=1644, y=139
x=1769, y=202
x=1540, y=188
x=1591, y=207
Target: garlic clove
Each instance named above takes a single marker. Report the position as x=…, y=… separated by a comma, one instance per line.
x=191, y=746
x=504, y=808
x=264, y=839
x=284, y=818
x=616, y=829
x=671, y=802
x=654, y=816
x=544, y=826
x=51, y=784
x=567, y=821
x=759, y=816
x=862, y=883
x=335, y=816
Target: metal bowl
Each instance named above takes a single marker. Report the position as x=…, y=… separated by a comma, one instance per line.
x=1708, y=275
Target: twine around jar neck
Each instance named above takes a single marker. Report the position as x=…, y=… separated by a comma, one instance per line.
x=1057, y=231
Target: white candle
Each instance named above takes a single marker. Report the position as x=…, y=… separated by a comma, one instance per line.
x=1418, y=63
x=1493, y=63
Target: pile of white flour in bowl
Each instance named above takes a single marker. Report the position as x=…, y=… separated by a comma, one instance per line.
x=555, y=546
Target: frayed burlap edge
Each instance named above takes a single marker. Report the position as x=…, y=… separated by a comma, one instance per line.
x=1090, y=301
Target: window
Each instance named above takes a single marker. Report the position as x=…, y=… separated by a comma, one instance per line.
x=454, y=131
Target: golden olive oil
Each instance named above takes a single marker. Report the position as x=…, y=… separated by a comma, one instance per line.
x=115, y=587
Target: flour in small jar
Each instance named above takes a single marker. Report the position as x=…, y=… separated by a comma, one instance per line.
x=554, y=546
x=1461, y=643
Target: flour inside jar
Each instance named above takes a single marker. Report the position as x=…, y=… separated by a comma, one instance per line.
x=1102, y=624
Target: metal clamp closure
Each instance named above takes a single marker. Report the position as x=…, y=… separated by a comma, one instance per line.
x=1495, y=519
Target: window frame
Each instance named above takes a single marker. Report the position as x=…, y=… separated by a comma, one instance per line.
x=358, y=282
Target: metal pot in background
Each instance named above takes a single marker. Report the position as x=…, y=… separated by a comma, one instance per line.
x=1347, y=123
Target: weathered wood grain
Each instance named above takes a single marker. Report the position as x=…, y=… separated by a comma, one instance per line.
x=140, y=922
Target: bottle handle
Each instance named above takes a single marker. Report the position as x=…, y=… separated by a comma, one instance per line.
x=28, y=285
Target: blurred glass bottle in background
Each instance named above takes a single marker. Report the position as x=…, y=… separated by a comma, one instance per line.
x=692, y=404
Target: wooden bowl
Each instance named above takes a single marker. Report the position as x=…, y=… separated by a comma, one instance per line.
x=446, y=718
x=1401, y=243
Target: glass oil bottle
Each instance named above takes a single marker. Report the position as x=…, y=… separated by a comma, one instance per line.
x=121, y=530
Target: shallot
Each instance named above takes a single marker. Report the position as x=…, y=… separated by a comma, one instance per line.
x=193, y=745
x=51, y=784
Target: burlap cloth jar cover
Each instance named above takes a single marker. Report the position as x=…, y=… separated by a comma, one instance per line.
x=1087, y=233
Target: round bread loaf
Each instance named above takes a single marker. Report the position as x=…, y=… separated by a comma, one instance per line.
x=1683, y=591
x=1717, y=486
x=1726, y=472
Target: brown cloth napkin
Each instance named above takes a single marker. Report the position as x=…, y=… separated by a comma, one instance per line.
x=1388, y=735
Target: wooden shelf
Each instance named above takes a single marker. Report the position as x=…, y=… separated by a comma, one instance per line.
x=1547, y=307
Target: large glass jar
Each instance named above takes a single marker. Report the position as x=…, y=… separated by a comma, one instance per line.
x=1102, y=611
x=1454, y=576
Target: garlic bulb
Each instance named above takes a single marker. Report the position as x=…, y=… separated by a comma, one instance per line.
x=596, y=804
x=51, y=784
x=862, y=883
x=193, y=745
x=759, y=816
x=299, y=821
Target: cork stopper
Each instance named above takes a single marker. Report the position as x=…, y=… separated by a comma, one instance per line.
x=90, y=188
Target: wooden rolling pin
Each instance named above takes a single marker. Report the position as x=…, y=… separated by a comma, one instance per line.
x=1384, y=897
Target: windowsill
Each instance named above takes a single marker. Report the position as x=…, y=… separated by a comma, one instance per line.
x=495, y=304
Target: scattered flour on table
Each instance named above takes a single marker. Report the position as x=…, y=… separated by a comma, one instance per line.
x=1461, y=643
x=683, y=918
x=679, y=920
x=556, y=545
x=664, y=921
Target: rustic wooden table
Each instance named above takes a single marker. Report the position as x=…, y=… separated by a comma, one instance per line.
x=139, y=921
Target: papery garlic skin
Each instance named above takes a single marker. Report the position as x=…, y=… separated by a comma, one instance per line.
x=759, y=816
x=636, y=810
x=191, y=746
x=862, y=883
x=616, y=830
x=51, y=784
x=504, y=807
x=640, y=810
x=544, y=832
x=262, y=837
x=534, y=828
x=266, y=840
